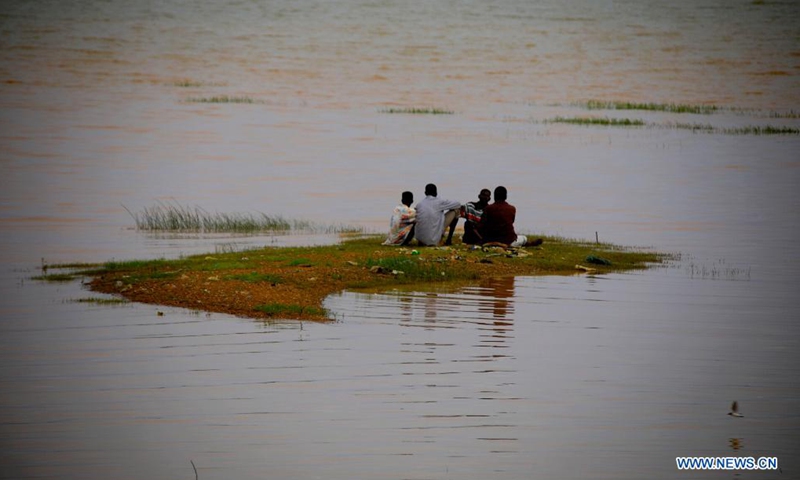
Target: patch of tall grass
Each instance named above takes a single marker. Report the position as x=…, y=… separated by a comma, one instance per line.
x=789, y=114
x=680, y=108
x=765, y=130
x=102, y=301
x=55, y=277
x=657, y=107
x=418, y=110
x=222, y=99
x=187, y=84
x=617, y=122
x=746, y=130
x=694, y=127
x=69, y=266
x=179, y=218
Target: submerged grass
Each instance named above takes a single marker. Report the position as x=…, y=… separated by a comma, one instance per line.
x=789, y=114
x=657, y=107
x=746, y=130
x=68, y=273
x=68, y=266
x=605, y=121
x=187, y=83
x=292, y=282
x=695, y=127
x=55, y=277
x=223, y=99
x=682, y=108
x=418, y=110
x=761, y=130
x=178, y=218
x=102, y=301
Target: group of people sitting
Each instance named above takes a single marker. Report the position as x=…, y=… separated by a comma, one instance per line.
x=484, y=223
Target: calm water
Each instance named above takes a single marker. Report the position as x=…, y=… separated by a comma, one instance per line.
x=554, y=377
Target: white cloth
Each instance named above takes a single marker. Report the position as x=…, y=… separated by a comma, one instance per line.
x=430, y=219
x=400, y=225
x=520, y=241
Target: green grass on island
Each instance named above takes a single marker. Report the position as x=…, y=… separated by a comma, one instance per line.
x=292, y=282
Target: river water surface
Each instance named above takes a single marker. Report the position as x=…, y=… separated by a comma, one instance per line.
x=531, y=377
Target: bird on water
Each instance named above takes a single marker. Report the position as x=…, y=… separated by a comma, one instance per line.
x=735, y=410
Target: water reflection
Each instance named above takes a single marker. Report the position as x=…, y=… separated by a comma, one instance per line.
x=498, y=302
x=488, y=306
x=499, y=292
x=489, y=302
x=736, y=443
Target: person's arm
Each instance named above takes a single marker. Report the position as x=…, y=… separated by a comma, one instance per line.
x=447, y=205
x=481, y=230
x=409, y=215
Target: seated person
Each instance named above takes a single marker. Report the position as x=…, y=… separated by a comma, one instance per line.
x=497, y=223
x=401, y=225
x=433, y=215
x=472, y=212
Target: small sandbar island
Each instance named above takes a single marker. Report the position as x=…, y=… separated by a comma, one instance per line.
x=293, y=282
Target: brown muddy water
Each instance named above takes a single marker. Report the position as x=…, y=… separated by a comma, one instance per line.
x=553, y=377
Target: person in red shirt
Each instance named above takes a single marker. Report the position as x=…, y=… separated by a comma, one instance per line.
x=497, y=223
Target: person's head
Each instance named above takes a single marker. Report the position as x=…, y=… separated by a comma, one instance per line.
x=408, y=199
x=485, y=196
x=430, y=189
x=500, y=194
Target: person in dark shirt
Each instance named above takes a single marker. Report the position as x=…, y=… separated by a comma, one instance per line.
x=497, y=223
x=472, y=212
